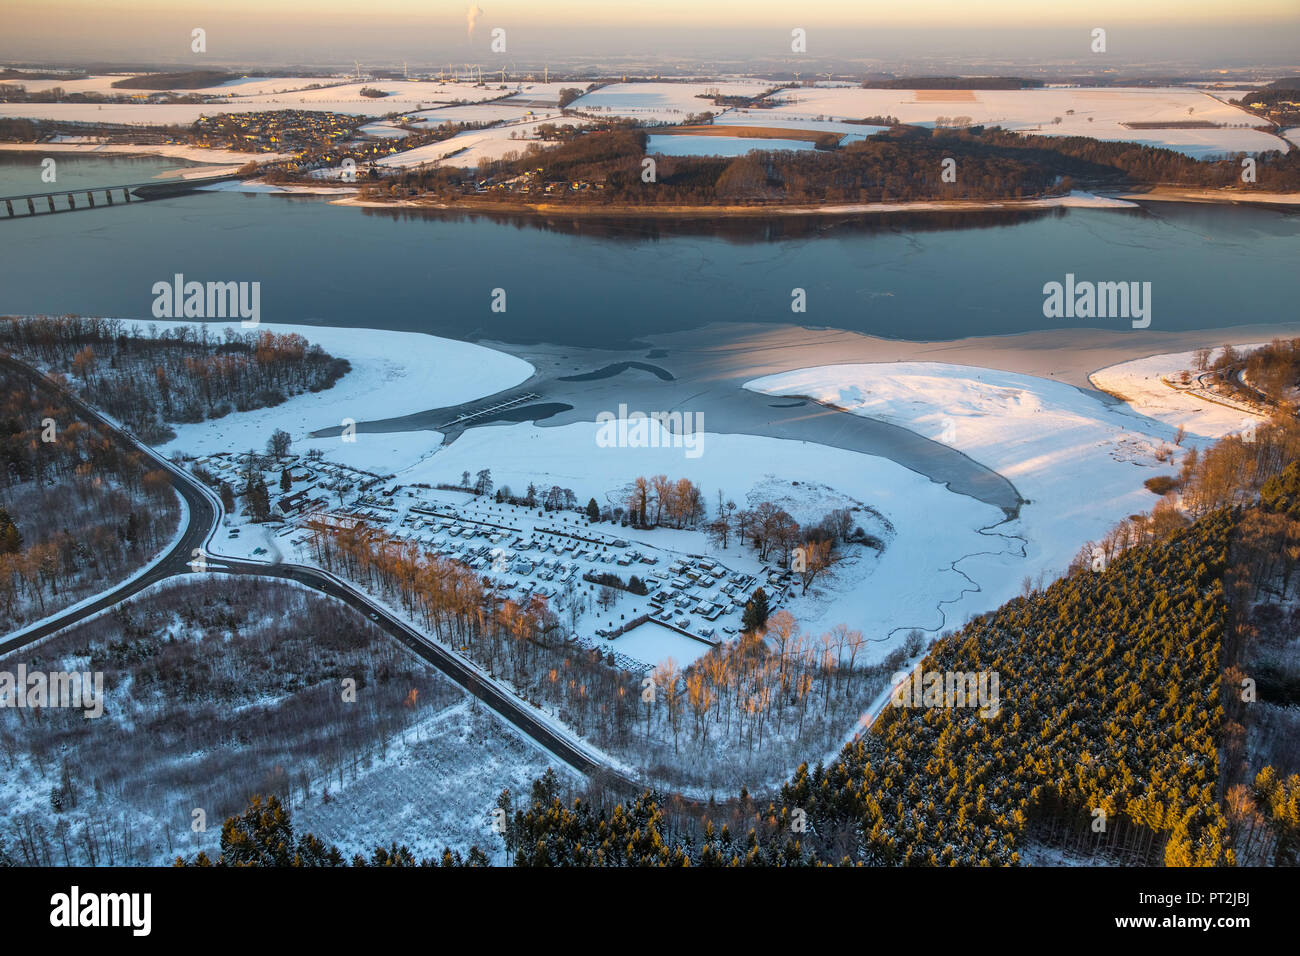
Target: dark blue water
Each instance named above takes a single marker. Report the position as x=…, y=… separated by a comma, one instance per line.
x=21, y=171
x=612, y=283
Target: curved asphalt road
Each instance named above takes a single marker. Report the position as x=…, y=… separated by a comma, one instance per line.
x=204, y=516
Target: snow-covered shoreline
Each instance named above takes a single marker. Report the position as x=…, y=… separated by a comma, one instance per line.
x=194, y=154
x=393, y=374
x=1075, y=200
x=1079, y=460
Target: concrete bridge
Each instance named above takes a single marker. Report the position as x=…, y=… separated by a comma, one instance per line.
x=98, y=197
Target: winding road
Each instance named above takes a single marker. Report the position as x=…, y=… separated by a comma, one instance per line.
x=202, y=522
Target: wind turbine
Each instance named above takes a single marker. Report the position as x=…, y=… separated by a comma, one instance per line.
x=357, y=64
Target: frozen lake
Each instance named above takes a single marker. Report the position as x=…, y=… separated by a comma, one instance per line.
x=610, y=283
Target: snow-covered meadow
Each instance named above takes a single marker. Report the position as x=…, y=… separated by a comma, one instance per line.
x=1079, y=462
x=1141, y=383
x=1096, y=112
x=403, y=96
x=393, y=373
x=770, y=119
x=686, y=145
x=472, y=147
x=663, y=102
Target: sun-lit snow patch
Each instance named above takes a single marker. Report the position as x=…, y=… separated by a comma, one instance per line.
x=1096, y=112
x=1079, y=462
x=393, y=374
x=663, y=101
x=494, y=112
x=1142, y=384
x=851, y=132
x=687, y=145
x=472, y=147
x=655, y=644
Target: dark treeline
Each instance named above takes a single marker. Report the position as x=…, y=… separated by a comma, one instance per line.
x=78, y=508
x=902, y=164
x=1274, y=369
x=263, y=835
x=1098, y=162
x=952, y=83
x=190, y=80
x=183, y=374
x=18, y=130
x=873, y=170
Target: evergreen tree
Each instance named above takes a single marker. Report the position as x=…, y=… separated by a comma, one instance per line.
x=756, y=612
x=258, y=499
x=593, y=510
x=11, y=540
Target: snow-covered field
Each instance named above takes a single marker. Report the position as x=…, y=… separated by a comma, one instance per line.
x=1079, y=462
x=472, y=147
x=436, y=787
x=384, y=130
x=138, y=114
x=670, y=102
x=1056, y=111
x=1226, y=95
x=393, y=373
x=852, y=132
x=541, y=94
x=1098, y=113
x=403, y=96
x=686, y=145
x=242, y=86
x=494, y=112
x=258, y=186
x=1141, y=384
x=656, y=644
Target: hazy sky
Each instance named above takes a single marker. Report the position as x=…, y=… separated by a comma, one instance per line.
x=429, y=31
